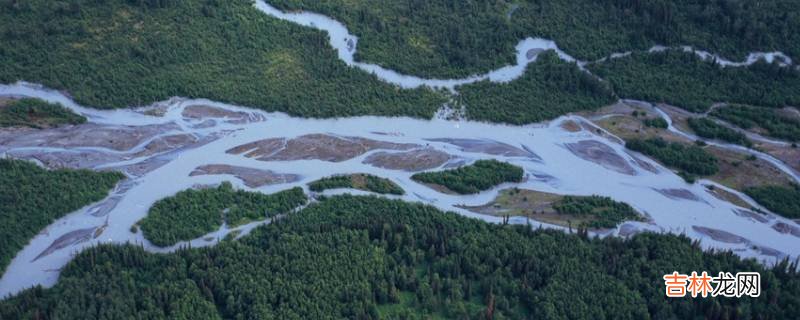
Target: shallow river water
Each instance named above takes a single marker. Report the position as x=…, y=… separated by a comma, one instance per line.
x=553, y=168
x=547, y=155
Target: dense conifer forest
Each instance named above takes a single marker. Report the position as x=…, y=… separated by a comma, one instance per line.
x=709, y=129
x=31, y=198
x=689, y=159
x=779, y=199
x=369, y=258
x=684, y=80
x=479, y=176
x=771, y=121
x=455, y=38
x=361, y=181
x=36, y=113
x=193, y=213
x=118, y=53
x=606, y=212
x=548, y=89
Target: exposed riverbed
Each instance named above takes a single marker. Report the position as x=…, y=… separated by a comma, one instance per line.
x=555, y=160
x=180, y=143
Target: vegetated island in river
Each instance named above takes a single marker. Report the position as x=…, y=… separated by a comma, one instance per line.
x=35, y=113
x=191, y=213
x=479, y=176
x=374, y=258
x=691, y=160
x=360, y=181
x=593, y=212
x=782, y=200
x=31, y=198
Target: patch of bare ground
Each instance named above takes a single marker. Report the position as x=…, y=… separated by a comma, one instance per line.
x=199, y=112
x=719, y=235
x=411, y=161
x=629, y=127
x=786, y=228
x=534, y=205
x=141, y=168
x=617, y=108
x=69, y=159
x=314, y=147
x=167, y=143
x=740, y=171
x=751, y=215
x=571, y=126
x=72, y=238
x=679, y=194
x=251, y=177
x=737, y=169
x=602, y=154
x=724, y=195
x=789, y=155
x=488, y=147
x=643, y=164
x=120, y=138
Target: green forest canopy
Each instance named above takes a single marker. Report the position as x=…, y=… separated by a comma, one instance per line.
x=118, y=53
x=31, y=198
x=709, y=129
x=684, y=80
x=479, y=176
x=366, y=257
x=36, y=113
x=690, y=159
x=361, y=181
x=607, y=213
x=779, y=199
x=191, y=213
x=548, y=89
x=456, y=38
x=748, y=117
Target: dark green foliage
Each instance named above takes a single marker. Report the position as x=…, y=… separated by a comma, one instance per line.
x=548, y=89
x=709, y=129
x=688, y=158
x=31, y=198
x=193, y=213
x=360, y=181
x=36, y=113
x=479, y=176
x=779, y=199
x=116, y=53
x=684, y=80
x=366, y=257
x=747, y=117
x=656, y=123
x=456, y=38
x=608, y=212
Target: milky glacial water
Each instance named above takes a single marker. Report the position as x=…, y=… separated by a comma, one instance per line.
x=558, y=171
x=346, y=44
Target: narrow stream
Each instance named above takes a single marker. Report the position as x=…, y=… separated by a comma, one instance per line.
x=527, y=50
